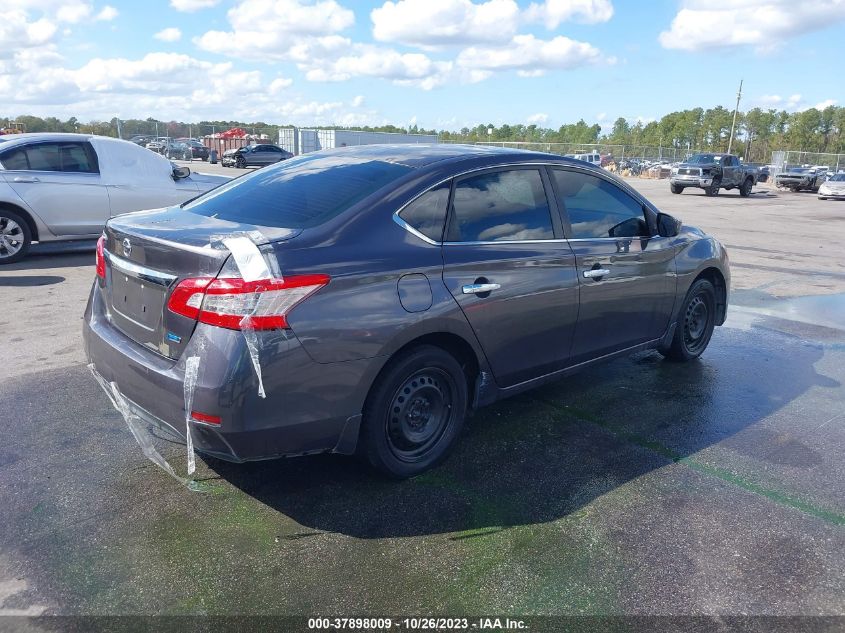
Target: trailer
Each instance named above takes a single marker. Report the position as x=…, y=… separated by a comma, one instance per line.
x=305, y=141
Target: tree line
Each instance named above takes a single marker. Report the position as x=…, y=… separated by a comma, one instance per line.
x=759, y=131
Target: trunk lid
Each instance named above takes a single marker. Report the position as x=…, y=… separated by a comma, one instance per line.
x=148, y=254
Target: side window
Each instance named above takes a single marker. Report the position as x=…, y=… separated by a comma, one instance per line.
x=427, y=214
x=66, y=157
x=502, y=205
x=598, y=208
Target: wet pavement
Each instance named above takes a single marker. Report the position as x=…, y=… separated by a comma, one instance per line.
x=637, y=487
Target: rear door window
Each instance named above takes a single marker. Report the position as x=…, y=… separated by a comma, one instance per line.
x=507, y=205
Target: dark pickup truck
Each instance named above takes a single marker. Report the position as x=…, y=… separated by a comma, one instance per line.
x=712, y=172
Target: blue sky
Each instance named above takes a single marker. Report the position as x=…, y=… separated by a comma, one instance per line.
x=437, y=63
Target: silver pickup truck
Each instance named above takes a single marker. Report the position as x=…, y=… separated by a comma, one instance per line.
x=712, y=172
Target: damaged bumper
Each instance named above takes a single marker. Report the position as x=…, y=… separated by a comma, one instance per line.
x=291, y=420
x=691, y=181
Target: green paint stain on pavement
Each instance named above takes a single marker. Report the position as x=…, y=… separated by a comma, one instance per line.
x=773, y=495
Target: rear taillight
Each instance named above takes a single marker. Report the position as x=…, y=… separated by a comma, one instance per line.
x=225, y=302
x=101, y=257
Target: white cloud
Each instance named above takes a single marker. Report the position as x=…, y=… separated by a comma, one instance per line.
x=793, y=103
x=358, y=101
x=163, y=85
x=18, y=32
x=702, y=24
x=528, y=53
x=73, y=12
x=189, y=6
x=444, y=22
x=538, y=119
x=170, y=34
x=279, y=85
x=825, y=104
x=275, y=29
x=107, y=13
x=553, y=12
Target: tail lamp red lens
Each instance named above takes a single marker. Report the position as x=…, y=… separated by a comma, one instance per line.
x=205, y=418
x=226, y=302
x=101, y=257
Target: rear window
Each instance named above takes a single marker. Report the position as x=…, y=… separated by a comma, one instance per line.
x=300, y=193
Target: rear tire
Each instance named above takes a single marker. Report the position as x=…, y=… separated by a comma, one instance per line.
x=695, y=323
x=676, y=188
x=15, y=237
x=414, y=412
x=745, y=188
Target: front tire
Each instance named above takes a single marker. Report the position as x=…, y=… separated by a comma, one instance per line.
x=676, y=188
x=15, y=237
x=695, y=323
x=713, y=190
x=240, y=162
x=745, y=188
x=414, y=412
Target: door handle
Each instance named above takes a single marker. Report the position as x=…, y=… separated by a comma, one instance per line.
x=476, y=289
x=25, y=179
x=596, y=272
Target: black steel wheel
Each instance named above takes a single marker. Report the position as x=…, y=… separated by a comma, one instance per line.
x=414, y=412
x=695, y=323
x=240, y=162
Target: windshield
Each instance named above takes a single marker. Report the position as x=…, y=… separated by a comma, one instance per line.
x=838, y=178
x=299, y=193
x=703, y=159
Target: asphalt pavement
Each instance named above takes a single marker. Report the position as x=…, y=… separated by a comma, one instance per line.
x=636, y=487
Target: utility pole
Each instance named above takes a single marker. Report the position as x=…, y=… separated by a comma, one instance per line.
x=119, y=134
x=736, y=109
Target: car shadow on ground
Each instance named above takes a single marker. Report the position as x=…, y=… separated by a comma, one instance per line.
x=545, y=454
x=68, y=257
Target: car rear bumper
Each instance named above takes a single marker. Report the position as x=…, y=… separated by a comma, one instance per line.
x=310, y=407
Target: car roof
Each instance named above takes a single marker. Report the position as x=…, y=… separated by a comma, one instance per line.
x=423, y=154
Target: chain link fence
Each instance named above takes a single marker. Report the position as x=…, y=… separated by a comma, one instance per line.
x=617, y=153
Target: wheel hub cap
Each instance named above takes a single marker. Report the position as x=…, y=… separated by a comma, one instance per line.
x=11, y=237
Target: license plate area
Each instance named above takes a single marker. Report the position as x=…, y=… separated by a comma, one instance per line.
x=136, y=300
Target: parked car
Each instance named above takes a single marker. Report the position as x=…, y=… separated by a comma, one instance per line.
x=65, y=186
x=141, y=139
x=198, y=150
x=713, y=172
x=256, y=156
x=159, y=144
x=178, y=151
x=593, y=158
x=765, y=170
x=833, y=188
x=385, y=292
x=801, y=179
x=227, y=158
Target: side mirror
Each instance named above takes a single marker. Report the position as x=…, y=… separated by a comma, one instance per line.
x=667, y=226
x=180, y=172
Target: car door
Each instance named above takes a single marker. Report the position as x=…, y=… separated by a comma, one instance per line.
x=61, y=183
x=730, y=168
x=626, y=273
x=510, y=271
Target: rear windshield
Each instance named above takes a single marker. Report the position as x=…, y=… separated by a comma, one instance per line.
x=299, y=193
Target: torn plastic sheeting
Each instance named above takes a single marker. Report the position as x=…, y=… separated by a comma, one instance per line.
x=137, y=427
x=249, y=259
x=254, y=347
x=252, y=266
x=192, y=365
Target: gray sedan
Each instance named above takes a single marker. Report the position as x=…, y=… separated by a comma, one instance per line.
x=365, y=300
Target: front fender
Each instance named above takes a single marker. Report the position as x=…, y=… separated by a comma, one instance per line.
x=694, y=257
